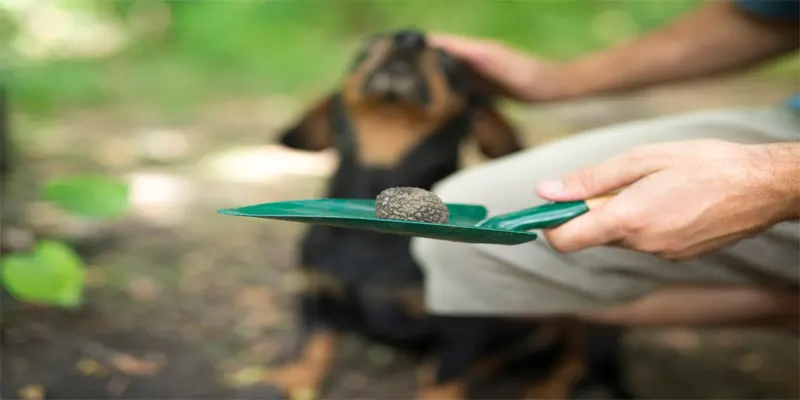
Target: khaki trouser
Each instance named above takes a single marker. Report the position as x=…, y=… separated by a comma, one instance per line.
x=532, y=278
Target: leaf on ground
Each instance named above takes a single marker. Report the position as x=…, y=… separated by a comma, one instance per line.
x=89, y=367
x=31, y=392
x=131, y=365
x=88, y=196
x=52, y=274
x=247, y=376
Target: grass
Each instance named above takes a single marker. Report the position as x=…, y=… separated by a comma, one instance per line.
x=297, y=48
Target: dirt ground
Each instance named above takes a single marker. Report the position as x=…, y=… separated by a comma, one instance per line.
x=185, y=303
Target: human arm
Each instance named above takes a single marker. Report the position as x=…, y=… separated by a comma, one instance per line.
x=718, y=36
x=680, y=199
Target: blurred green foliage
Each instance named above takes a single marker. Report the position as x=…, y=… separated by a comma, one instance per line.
x=95, y=197
x=52, y=273
x=298, y=47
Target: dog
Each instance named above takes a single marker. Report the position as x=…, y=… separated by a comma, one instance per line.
x=400, y=118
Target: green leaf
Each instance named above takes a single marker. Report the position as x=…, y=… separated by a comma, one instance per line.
x=88, y=196
x=53, y=274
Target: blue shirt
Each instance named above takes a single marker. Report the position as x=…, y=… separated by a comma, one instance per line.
x=781, y=10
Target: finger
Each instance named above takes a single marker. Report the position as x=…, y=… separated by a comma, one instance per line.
x=462, y=47
x=595, y=228
x=480, y=82
x=604, y=177
x=456, y=41
x=481, y=68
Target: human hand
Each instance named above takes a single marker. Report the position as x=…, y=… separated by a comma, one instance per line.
x=507, y=71
x=681, y=199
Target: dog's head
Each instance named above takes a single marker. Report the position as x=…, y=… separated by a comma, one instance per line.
x=398, y=92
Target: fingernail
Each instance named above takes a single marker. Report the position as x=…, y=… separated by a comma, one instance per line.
x=552, y=187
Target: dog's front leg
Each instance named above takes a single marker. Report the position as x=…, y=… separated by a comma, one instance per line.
x=430, y=387
x=446, y=376
x=303, y=378
x=569, y=368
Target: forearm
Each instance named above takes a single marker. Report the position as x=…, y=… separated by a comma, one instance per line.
x=715, y=38
x=780, y=177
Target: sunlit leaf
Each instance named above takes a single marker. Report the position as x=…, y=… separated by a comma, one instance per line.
x=52, y=274
x=89, y=196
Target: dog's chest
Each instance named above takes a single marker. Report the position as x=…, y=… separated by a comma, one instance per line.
x=383, y=136
x=401, y=158
x=359, y=257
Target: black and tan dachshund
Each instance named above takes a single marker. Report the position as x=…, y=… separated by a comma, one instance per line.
x=399, y=119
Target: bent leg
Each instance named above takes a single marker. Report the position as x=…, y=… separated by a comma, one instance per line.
x=531, y=278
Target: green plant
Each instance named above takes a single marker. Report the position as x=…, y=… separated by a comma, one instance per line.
x=52, y=273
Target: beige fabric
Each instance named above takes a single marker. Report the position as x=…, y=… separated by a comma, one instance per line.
x=533, y=278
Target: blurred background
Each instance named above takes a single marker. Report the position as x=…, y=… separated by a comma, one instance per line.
x=127, y=123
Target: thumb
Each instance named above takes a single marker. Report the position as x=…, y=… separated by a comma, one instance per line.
x=602, y=178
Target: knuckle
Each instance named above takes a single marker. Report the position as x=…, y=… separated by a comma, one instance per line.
x=631, y=223
x=585, y=179
x=557, y=241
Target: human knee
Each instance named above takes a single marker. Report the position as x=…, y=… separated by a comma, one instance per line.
x=431, y=253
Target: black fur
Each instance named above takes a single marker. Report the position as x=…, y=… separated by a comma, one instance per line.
x=371, y=266
x=365, y=260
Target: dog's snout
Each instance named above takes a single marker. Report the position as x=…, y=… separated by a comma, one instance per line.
x=409, y=41
x=400, y=68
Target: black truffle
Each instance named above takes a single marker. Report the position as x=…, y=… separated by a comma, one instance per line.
x=410, y=204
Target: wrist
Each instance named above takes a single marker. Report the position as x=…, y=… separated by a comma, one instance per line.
x=781, y=178
x=584, y=76
x=554, y=82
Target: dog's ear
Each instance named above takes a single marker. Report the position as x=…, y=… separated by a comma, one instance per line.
x=494, y=134
x=314, y=130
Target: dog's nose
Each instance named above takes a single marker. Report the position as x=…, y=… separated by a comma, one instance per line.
x=410, y=41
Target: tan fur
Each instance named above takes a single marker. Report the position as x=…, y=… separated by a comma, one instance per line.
x=569, y=367
x=412, y=300
x=315, y=127
x=428, y=389
x=494, y=135
x=303, y=378
x=386, y=132
x=314, y=280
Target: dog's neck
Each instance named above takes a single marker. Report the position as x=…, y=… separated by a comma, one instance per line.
x=423, y=164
